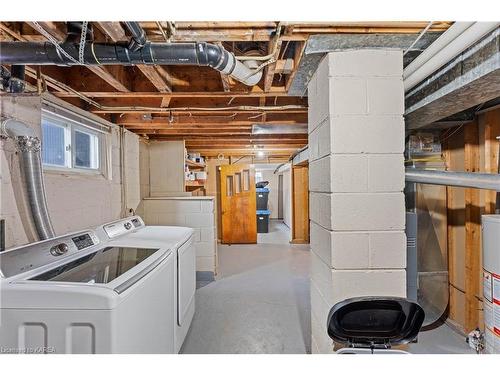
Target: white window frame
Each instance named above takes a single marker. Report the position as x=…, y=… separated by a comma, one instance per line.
x=70, y=127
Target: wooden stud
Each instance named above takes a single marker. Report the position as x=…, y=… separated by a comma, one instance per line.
x=300, y=204
x=491, y=144
x=270, y=69
x=299, y=51
x=472, y=230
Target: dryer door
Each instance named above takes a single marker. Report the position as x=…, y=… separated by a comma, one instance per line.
x=186, y=279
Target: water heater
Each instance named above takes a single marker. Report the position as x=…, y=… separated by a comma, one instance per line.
x=491, y=281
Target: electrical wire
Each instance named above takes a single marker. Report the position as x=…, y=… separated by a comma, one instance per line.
x=418, y=37
x=453, y=132
x=272, y=55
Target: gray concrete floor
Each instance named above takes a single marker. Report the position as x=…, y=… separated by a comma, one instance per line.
x=260, y=303
x=440, y=340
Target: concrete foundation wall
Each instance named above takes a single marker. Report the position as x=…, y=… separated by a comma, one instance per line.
x=356, y=181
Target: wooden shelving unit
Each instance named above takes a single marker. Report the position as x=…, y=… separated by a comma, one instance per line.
x=195, y=186
x=194, y=165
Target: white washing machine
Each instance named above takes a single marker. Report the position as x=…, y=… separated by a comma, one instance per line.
x=79, y=294
x=133, y=232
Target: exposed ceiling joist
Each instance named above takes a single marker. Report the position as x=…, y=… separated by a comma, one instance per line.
x=155, y=74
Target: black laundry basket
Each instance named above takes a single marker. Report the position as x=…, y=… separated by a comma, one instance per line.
x=374, y=324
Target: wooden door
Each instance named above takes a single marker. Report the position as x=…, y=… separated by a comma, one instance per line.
x=300, y=204
x=238, y=204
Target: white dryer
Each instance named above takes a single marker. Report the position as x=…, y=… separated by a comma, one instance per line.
x=133, y=232
x=78, y=294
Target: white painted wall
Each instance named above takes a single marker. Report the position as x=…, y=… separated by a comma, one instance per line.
x=166, y=168
x=75, y=201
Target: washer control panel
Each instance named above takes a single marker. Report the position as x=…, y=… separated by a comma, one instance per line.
x=123, y=226
x=28, y=257
x=83, y=241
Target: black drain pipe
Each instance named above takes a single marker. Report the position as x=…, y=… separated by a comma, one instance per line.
x=197, y=53
x=16, y=81
x=138, y=36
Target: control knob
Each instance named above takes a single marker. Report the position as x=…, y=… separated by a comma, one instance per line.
x=59, y=249
x=127, y=225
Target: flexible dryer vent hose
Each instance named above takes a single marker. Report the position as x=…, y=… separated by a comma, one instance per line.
x=29, y=146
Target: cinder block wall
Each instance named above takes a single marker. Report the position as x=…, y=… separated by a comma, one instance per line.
x=356, y=181
x=194, y=212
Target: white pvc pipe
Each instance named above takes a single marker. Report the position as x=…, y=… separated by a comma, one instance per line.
x=453, y=32
x=444, y=50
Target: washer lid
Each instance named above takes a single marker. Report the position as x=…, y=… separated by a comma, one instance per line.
x=375, y=321
x=100, y=267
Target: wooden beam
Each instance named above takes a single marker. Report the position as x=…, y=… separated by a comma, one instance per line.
x=152, y=73
x=491, y=144
x=472, y=230
x=13, y=34
x=254, y=92
x=273, y=46
x=197, y=111
x=299, y=51
x=452, y=218
x=100, y=71
x=162, y=122
x=165, y=102
x=226, y=80
x=285, y=66
x=51, y=28
x=113, y=30
x=106, y=76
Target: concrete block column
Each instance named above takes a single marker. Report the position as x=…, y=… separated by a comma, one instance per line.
x=356, y=181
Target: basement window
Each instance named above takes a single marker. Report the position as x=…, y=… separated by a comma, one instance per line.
x=69, y=145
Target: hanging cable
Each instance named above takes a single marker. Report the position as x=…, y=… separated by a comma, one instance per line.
x=160, y=27
x=52, y=40
x=83, y=38
x=418, y=38
x=269, y=57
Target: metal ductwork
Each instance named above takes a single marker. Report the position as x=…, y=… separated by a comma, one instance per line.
x=29, y=146
x=488, y=181
x=203, y=54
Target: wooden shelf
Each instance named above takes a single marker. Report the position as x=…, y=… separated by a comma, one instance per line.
x=192, y=164
x=195, y=184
